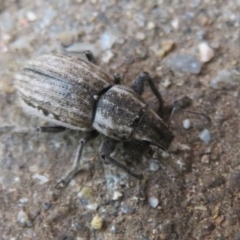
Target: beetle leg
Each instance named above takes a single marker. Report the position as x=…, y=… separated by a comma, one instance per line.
x=117, y=78
x=62, y=183
x=14, y=129
x=138, y=87
x=89, y=56
x=52, y=129
x=107, y=148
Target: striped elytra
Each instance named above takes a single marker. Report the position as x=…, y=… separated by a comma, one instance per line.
x=62, y=89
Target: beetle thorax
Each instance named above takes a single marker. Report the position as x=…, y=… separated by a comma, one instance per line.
x=118, y=112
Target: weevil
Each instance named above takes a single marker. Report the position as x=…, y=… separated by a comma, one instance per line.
x=77, y=94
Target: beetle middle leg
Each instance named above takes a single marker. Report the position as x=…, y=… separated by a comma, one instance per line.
x=62, y=183
x=138, y=87
x=107, y=148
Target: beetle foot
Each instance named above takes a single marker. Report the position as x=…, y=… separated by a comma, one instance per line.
x=63, y=182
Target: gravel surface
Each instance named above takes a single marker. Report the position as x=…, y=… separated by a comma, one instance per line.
x=191, y=49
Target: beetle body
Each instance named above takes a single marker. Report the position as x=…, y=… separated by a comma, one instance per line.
x=76, y=94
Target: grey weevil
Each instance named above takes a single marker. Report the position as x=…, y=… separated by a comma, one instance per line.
x=77, y=94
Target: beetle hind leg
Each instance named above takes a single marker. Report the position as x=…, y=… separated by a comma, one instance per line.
x=107, y=148
x=89, y=56
x=76, y=167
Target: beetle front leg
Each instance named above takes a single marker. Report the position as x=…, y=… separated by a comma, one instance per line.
x=138, y=87
x=62, y=183
x=107, y=148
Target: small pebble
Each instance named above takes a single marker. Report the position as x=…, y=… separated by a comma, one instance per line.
x=42, y=179
x=205, y=136
x=205, y=52
x=92, y=207
x=140, y=36
x=66, y=38
x=154, y=165
x=186, y=123
x=184, y=63
x=24, y=219
x=204, y=20
x=205, y=158
x=150, y=25
x=175, y=23
x=108, y=38
x=153, y=202
x=31, y=16
x=97, y=222
x=85, y=192
x=23, y=200
x=117, y=195
x=166, y=83
x=113, y=229
x=107, y=56
x=47, y=206
x=22, y=43
x=225, y=76
x=168, y=45
x=200, y=35
x=160, y=53
x=195, y=3
x=127, y=209
x=142, y=52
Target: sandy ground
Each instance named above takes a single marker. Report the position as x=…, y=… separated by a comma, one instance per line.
x=190, y=48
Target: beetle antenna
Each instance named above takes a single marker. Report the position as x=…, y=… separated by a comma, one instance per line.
x=188, y=111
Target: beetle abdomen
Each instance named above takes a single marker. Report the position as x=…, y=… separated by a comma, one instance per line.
x=62, y=89
x=118, y=112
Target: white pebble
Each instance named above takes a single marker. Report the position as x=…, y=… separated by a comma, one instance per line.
x=186, y=123
x=23, y=219
x=153, y=165
x=205, y=136
x=41, y=178
x=23, y=200
x=175, y=23
x=31, y=16
x=92, y=207
x=150, y=25
x=107, y=56
x=166, y=83
x=205, y=52
x=108, y=38
x=117, y=195
x=153, y=202
x=205, y=159
x=140, y=36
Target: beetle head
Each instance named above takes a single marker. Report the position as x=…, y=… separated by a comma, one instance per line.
x=152, y=129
